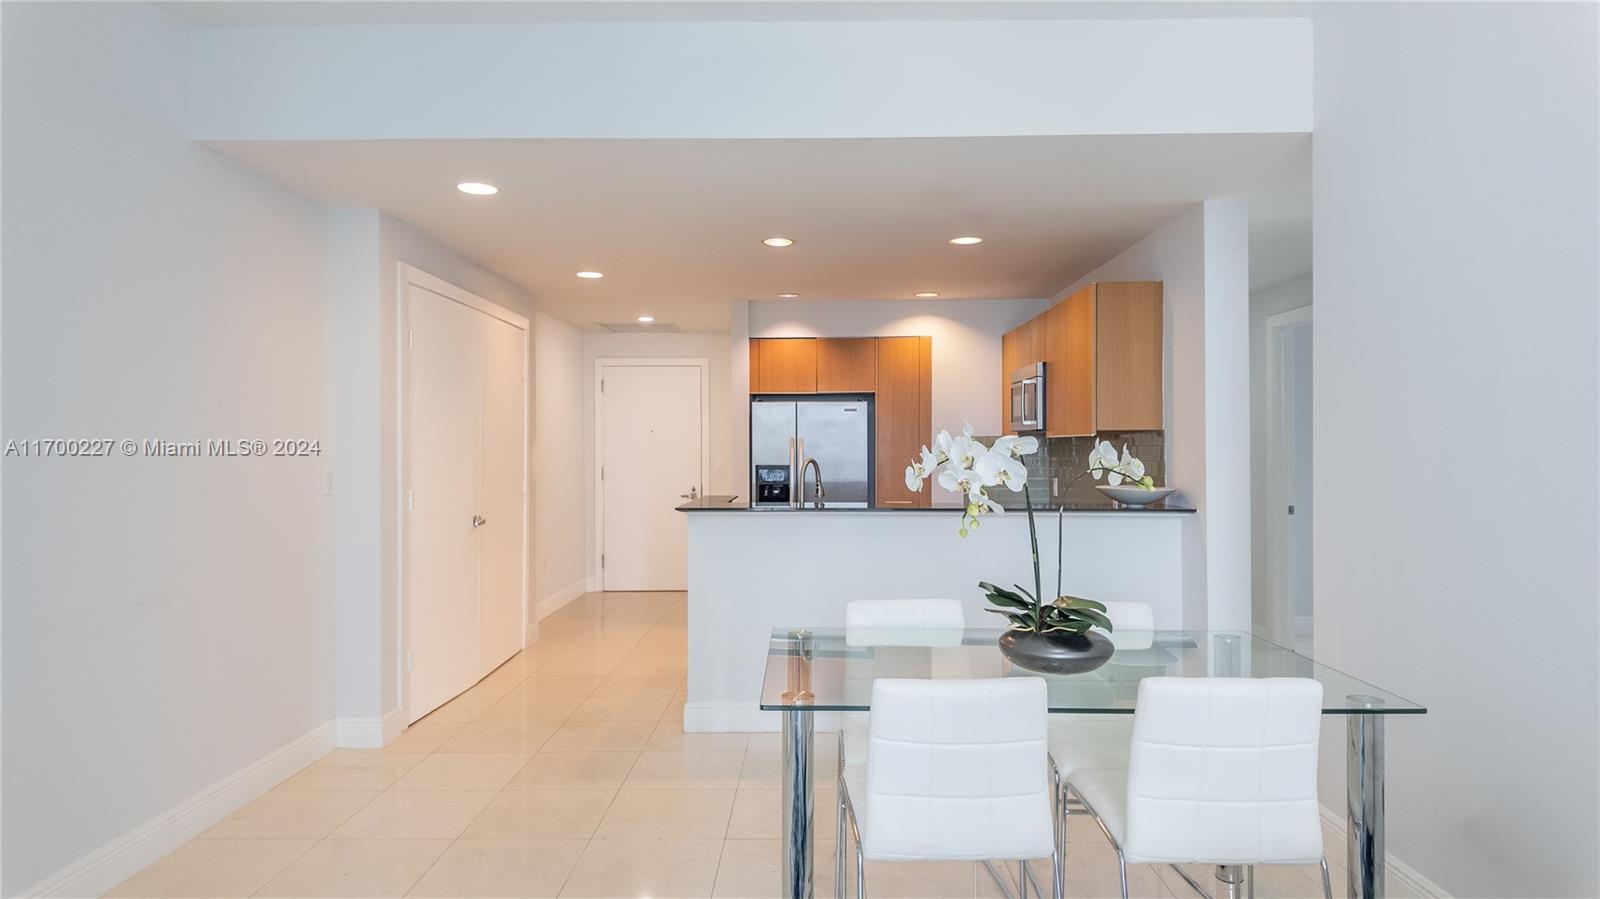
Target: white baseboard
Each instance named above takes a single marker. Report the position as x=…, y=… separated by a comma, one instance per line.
x=121, y=858
x=742, y=717
x=1410, y=881
x=368, y=733
x=548, y=606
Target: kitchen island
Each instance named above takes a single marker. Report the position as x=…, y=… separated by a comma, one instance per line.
x=751, y=570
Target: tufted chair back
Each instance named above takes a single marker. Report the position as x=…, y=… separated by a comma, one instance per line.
x=1224, y=770
x=957, y=769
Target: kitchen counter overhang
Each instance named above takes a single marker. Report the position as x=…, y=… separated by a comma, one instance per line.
x=725, y=503
x=749, y=573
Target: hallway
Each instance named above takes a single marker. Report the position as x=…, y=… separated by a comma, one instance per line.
x=566, y=773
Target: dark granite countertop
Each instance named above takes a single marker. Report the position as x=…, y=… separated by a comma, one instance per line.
x=723, y=503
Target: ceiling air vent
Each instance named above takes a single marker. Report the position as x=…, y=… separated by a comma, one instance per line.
x=638, y=328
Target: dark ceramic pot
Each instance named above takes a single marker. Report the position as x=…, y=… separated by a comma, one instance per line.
x=1056, y=653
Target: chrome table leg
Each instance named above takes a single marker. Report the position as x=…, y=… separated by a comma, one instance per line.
x=798, y=801
x=1364, y=794
x=1232, y=879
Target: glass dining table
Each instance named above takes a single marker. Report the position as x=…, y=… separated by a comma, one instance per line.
x=811, y=670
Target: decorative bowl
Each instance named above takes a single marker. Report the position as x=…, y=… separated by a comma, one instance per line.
x=1135, y=496
x=1056, y=653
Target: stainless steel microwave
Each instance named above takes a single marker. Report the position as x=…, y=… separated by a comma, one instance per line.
x=1027, y=398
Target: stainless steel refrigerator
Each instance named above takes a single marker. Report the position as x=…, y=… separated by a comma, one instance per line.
x=796, y=441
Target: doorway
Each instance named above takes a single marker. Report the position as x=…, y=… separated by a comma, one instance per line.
x=651, y=440
x=1289, y=465
x=463, y=488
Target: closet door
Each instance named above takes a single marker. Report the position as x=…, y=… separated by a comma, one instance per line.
x=500, y=535
x=443, y=474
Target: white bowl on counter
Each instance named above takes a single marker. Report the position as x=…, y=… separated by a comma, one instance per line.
x=1135, y=496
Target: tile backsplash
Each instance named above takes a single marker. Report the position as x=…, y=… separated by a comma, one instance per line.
x=1052, y=470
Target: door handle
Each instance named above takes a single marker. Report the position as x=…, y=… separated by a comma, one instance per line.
x=479, y=521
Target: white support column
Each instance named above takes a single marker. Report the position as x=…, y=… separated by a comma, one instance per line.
x=1227, y=414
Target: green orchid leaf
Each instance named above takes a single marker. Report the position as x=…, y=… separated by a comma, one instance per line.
x=1012, y=602
x=987, y=587
x=1097, y=618
x=1078, y=602
x=1024, y=591
x=1020, y=619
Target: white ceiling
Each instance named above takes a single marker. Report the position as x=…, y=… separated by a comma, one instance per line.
x=248, y=13
x=676, y=226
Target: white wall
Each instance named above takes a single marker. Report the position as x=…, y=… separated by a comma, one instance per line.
x=671, y=80
x=1175, y=254
x=1268, y=301
x=966, y=343
x=713, y=347
x=153, y=289
x=560, y=570
x=1454, y=250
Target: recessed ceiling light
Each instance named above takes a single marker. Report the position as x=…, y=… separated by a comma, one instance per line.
x=591, y=275
x=778, y=242
x=477, y=188
x=647, y=319
x=787, y=296
x=965, y=241
x=927, y=294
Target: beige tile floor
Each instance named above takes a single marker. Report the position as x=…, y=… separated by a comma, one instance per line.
x=567, y=773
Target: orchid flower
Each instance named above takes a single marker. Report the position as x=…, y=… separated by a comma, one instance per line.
x=963, y=465
x=996, y=467
x=1103, y=459
x=920, y=469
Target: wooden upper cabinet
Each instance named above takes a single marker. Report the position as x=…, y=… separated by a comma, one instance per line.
x=1070, y=368
x=783, y=365
x=1102, y=350
x=904, y=411
x=847, y=364
x=1128, y=351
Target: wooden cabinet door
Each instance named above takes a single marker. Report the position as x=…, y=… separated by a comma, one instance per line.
x=904, y=410
x=783, y=365
x=1008, y=364
x=847, y=364
x=1127, y=356
x=1070, y=379
x=1053, y=339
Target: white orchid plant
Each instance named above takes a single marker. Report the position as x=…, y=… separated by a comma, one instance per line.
x=1103, y=460
x=971, y=469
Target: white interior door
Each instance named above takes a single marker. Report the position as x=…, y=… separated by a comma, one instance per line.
x=500, y=535
x=1299, y=376
x=443, y=461
x=1289, y=544
x=652, y=451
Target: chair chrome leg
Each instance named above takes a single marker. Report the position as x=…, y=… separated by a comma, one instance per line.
x=1193, y=884
x=1122, y=871
x=1327, y=882
x=861, y=871
x=1250, y=881
x=1058, y=816
x=1022, y=878
x=999, y=879
x=861, y=859
x=1058, y=887
x=839, y=844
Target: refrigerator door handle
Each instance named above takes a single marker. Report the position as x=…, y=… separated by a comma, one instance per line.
x=792, y=488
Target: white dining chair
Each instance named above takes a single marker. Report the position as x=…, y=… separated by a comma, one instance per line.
x=885, y=623
x=956, y=770
x=1220, y=771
